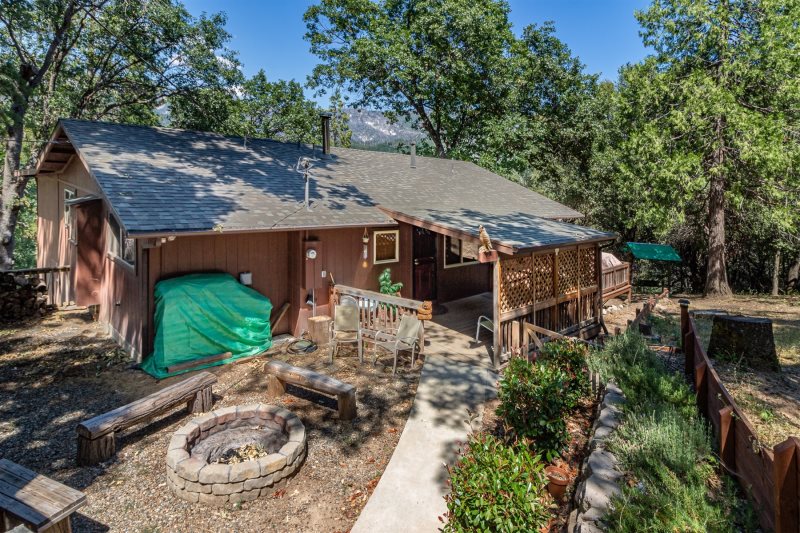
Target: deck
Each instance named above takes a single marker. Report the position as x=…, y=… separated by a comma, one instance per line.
x=452, y=334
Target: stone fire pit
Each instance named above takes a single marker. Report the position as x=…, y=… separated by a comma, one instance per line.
x=194, y=473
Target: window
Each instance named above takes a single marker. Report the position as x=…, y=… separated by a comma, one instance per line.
x=386, y=247
x=458, y=252
x=69, y=194
x=119, y=244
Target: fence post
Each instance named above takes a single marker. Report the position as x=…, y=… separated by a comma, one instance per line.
x=786, y=473
x=684, y=318
x=727, y=436
x=687, y=340
x=701, y=387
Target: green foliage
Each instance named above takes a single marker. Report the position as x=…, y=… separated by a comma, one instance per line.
x=533, y=403
x=441, y=63
x=665, y=449
x=571, y=357
x=386, y=285
x=496, y=487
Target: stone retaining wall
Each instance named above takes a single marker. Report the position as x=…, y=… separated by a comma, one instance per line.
x=600, y=474
x=195, y=480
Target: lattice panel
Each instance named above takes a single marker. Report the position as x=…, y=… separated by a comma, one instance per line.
x=543, y=265
x=588, y=267
x=567, y=271
x=515, y=283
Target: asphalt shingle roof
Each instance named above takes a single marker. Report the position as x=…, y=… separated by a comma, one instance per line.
x=169, y=180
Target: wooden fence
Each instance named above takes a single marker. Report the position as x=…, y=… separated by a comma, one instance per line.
x=771, y=477
x=56, y=278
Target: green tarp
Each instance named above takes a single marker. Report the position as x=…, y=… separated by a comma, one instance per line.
x=202, y=315
x=653, y=252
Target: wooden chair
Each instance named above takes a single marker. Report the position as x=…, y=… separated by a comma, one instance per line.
x=406, y=338
x=346, y=326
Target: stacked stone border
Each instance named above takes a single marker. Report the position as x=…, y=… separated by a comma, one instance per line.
x=599, y=471
x=194, y=480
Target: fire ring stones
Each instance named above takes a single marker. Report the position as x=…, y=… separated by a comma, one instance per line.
x=195, y=480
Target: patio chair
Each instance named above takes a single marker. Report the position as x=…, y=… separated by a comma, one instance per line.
x=406, y=338
x=485, y=323
x=346, y=327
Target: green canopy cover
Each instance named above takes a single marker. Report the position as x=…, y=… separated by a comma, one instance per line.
x=653, y=252
x=202, y=315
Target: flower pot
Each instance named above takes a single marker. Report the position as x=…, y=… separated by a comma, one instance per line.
x=558, y=479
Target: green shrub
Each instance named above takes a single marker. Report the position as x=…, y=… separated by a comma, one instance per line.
x=534, y=405
x=496, y=487
x=571, y=357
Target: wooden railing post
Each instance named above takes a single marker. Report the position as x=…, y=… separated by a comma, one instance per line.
x=727, y=438
x=684, y=318
x=701, y=387
x=786, y=473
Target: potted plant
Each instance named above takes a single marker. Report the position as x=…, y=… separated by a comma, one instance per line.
x=558, y=479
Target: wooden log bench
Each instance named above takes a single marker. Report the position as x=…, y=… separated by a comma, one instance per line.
x=280, y=373
x=34, y=501
x=96, y=435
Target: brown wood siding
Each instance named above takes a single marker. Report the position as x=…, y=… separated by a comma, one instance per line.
x=461, y=281
x=265, y=255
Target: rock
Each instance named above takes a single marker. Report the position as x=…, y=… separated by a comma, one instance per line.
x=603, y=464
x=597, y=493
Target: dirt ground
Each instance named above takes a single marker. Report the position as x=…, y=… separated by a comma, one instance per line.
x=771, y=400
x=62, y=369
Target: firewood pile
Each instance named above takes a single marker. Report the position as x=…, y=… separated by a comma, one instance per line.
x=22, y=297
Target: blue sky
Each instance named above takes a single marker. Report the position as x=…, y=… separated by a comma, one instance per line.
x=269, y=34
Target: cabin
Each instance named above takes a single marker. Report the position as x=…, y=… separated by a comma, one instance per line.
x=122, y=207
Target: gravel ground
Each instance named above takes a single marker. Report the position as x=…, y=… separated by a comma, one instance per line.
x=62, y=369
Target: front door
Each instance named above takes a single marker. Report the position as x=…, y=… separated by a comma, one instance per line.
x=89, y=253
x=424, y=264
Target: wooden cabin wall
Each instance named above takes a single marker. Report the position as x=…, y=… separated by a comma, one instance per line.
x=52, y=239
x=461, y=281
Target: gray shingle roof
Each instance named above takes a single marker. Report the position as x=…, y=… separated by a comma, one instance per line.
x=169, y=180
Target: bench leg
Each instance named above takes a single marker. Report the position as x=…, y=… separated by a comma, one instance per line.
x=64, y=526
x=202, y=401
x=347, y=406
x=93, y=451
x=275, y=387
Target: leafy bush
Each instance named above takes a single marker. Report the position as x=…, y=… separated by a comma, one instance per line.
x=496, y=487
x=533, y=403
x=386, y=285
x=571, y=357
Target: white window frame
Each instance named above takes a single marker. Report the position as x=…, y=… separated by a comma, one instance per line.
x=69, y=224
x=460, y=253
x=375, y=235
x=120, y=238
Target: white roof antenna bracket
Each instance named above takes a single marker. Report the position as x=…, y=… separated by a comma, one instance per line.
x=303, y=167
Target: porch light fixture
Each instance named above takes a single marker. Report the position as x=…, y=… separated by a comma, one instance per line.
x=365, y=251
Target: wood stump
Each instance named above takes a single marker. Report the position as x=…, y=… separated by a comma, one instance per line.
x=319, y=329
x=744, y=337
x=94, y=451
x=202, y=402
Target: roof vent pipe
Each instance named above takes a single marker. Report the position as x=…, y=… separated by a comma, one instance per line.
x=326, y=132
x=413, y=155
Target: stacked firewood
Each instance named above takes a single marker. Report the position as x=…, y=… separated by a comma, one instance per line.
x=21, y=297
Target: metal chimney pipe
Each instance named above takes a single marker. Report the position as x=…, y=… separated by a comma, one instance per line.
x=413, y=155
x=326, y=132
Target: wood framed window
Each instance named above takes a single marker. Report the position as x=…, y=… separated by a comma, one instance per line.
x=386, y=246
x=119, y=244
x=459, y=253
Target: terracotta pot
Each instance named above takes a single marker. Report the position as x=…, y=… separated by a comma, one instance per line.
x=558, y=478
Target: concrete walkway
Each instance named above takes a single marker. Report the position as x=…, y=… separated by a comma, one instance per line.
x=456, y=377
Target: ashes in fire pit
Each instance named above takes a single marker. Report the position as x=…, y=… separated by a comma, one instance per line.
x=235, y=454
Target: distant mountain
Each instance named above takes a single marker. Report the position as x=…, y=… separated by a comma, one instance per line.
x=372, y=129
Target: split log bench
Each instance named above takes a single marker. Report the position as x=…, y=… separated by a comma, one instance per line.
x=34, y=501
x=96, y=435
x=280, y=373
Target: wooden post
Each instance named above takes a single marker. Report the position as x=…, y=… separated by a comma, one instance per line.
x=202, y=401
x=701, y=387
x=347, y=405
x=786, y=473
x=496, y=315
x=93, y=451
x=727, y=438
x=554, y=312
x=275, y=387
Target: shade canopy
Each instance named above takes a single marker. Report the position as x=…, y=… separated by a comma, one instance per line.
x=653, y=252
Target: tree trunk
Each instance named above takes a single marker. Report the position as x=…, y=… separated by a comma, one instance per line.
x=717, y=273
x=13, y=185
x=776, y=274
x=793, y=276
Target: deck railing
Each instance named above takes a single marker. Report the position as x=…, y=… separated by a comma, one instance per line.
x=616, y=280
x=379, y=312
